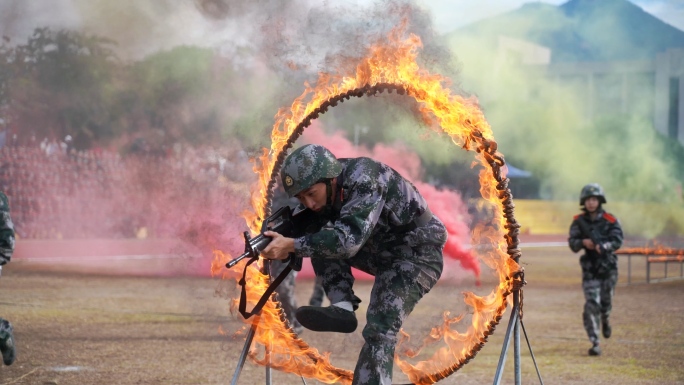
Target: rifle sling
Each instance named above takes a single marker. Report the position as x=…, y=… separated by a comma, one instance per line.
x=267, y=294
x=419, y=221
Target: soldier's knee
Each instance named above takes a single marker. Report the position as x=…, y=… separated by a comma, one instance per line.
x=592, y=307
x=374, y=334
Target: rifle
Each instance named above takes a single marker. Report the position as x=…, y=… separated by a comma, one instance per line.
x=602, y=262
x=280, y=222
x=284, y=223
x=591, y=233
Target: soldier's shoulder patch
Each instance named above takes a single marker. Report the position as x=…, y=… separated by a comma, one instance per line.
x=609, y=217
x=576, y=217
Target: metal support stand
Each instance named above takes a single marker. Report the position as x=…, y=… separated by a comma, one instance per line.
x=248, y=341
x=268, y=367
x=514, y=325
x=245, y=351
x=248, y=344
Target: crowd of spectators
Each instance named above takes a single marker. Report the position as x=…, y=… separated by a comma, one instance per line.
x=57, y=192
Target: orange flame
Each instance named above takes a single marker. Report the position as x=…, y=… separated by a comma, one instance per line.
x=657, y=250
x=393, y=62
x=659, y=253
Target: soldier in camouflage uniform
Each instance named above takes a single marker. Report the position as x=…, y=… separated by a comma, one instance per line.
x=6, y=248
x=371, y=218
x=600, y=235
x=318, y=293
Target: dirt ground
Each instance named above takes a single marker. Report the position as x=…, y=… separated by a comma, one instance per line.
x=76, y=328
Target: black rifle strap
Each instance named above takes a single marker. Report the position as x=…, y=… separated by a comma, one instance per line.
x=419, y=221
x=267, y=294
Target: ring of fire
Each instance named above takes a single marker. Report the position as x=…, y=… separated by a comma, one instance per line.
x=390, y=66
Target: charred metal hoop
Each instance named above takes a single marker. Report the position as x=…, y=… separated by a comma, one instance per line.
x=488, y=148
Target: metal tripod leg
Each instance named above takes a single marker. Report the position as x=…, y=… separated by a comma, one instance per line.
x=245, y=351
x=516, y=339
x=268, y=367
x=248, y=343
x=513, y=326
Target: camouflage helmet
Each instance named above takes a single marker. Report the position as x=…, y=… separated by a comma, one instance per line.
x=592, y=190
x=306, y=166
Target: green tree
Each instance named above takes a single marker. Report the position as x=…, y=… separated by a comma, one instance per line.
x=169, y=89
x=62, y=82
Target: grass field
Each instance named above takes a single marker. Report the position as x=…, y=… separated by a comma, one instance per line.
x=75, y=328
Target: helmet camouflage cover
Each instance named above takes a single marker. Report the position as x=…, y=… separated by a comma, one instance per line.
x=307, y=166
x=592, y=190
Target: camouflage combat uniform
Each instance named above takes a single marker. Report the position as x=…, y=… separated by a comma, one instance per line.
x=6, y=231
x=6, y=250
x=599, y=271
x=318, y=293
x=371, y=226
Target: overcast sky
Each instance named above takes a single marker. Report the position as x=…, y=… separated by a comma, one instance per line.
x=18, y=18
x=451, y=14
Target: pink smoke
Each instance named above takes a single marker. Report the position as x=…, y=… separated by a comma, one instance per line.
x=446, y=204
x=185, y=203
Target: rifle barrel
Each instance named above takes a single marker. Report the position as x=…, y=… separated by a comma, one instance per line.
x=235, y=261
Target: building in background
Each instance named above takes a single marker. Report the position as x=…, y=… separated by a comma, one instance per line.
x=651, y=88
x=617, y=58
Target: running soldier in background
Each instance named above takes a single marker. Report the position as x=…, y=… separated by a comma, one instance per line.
x=371, y=218
x=600, y=235
x=6, y=248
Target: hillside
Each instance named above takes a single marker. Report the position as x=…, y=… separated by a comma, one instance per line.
x=582, y=30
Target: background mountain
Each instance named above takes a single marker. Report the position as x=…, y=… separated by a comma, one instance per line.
x=582, y=30
x=566, y=124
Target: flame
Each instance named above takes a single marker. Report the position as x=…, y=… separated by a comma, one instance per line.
x=657, y=250
x=283, y=350
x=390, y=62
x=659, y=253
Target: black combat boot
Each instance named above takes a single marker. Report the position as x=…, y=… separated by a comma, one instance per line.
x=605, y=327
x=7, y=347
x=595, y=350
x=327, y=319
